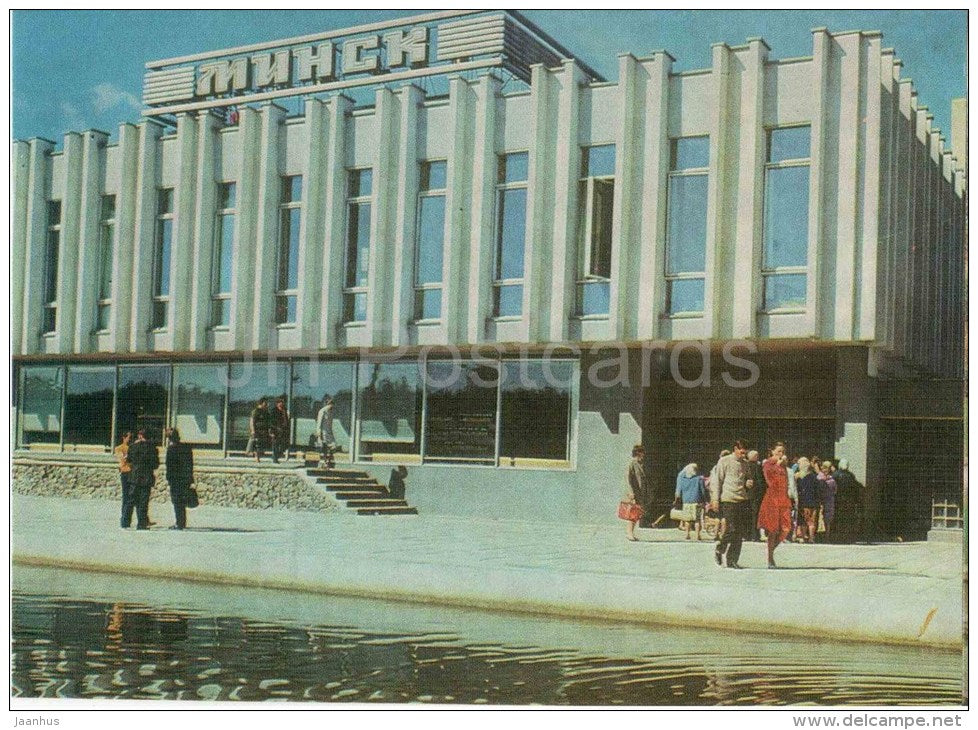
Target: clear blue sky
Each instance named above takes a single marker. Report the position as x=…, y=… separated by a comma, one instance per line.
x=75, y=70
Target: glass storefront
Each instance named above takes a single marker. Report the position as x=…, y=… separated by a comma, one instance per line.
x=141, y=400
x=88, y=407
x=460, y=425
x=488, y=412
x=312, y=383
x=248, y=382
x=40, y=407
x=200, y=392
x=390, y=404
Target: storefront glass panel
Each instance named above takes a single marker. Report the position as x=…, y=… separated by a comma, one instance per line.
x=249, y=382
x=461, y=412
x=40, y=407
x=536, y=400
x=200, y=392
x=389, y=412
x=88, y=407
x=312, y=383
x=141, y=401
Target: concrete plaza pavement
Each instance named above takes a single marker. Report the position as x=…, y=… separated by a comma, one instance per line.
x=907, y=593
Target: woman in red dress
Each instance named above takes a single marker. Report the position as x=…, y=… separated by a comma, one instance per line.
x=775, y=513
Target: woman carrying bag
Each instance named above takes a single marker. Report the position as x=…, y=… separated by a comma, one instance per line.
x=630, y=509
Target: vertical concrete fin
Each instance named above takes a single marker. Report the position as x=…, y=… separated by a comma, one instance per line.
x=205, y=243
x=405, y=235
x=338, y=110
x=35, y=234
x=715, y=294
x=144, y=226
x=246, y=233
x=267, y=227
x=186, y=213
x=815, y=315
x=124, y=245
x=312, y=245
x=20, y=178
x=92, y=185
x=71, y=215
x=870, y=273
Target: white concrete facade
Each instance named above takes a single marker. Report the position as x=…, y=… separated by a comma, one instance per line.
x=885, y=216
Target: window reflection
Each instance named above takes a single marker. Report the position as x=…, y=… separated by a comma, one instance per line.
x=312, y=383
x=142, y=399
x=40, y=406
x=88, y=407
x=536, y=407
x=247, y=383
x=390, y=401
x=200, y=392
x=461, y=413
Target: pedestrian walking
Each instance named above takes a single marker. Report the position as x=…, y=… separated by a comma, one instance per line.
x=258, y=427
x=848, y=505
x=280, y=427
x=396, y=488
x=691, y=494
x=755, y=473
x=827, y=490
x=630, y=508
x=807, y=484
x=121, y=453
x=715, y=505
x=775, y=512
x=179, y=475
x=144, y=460
x=327, y=439
x=733, y=490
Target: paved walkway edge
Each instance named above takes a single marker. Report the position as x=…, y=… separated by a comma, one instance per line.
x=933, y=639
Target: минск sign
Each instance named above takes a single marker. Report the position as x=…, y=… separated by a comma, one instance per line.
x=435, y=43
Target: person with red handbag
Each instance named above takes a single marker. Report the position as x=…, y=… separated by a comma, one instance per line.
x=630, y=508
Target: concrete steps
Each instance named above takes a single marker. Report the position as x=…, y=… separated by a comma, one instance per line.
x=358, y=491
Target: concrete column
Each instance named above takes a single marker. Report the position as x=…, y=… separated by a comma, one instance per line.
x=71, y=207
x=870, y=274
x=904, y=213
x=266, y=226
x=93, y=174
x=458, y=204
x=715, y=298
x=748, y=245
x=651, y=296
x=552, y=207
x=35, y=236
x=144, y=227
x=815, y=315
x=205, y=222
x=623, y=305
x=405, y=237
x=246, y=227
x=20, y=179
x=337, y=113
x=123, y=247
x=482, y=245
x=850, y=144
x=857, y=426
x=311, y=248
x=182, y=258
x=888, y=172
x=381, y=262
x=921, y=194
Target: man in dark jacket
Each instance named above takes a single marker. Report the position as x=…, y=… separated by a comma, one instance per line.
x=848, y=505
x=144, y=461
x=179, y=475
x=755, y=473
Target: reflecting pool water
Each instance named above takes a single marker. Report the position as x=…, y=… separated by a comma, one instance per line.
x=97, y=636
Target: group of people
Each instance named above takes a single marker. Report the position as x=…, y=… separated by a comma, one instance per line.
x=769, y=500
x=138, y=461
x=269, y=428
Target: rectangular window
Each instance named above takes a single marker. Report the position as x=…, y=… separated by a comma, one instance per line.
x=199, y=395
x=223, y=261
x=161, y=257
x=460, y=412
x=511, y=191
x=141, y=401
x=430, y=250
x=686, y=225
x=103, y=311
x=535, y=420
x=389, y=405
x=39, y=419
x=359, y=196
x=88, y=407
x=597, y=206
x=312, y=383
x=248, y=382
x=52, y=252
x=786, y=182
x=290, y=217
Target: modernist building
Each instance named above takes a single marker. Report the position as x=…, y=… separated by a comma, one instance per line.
x=497, y=192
